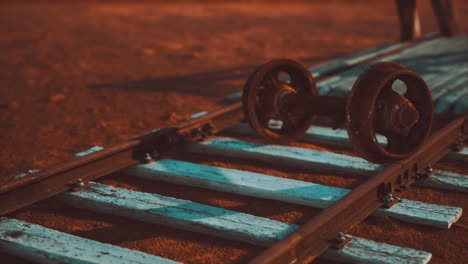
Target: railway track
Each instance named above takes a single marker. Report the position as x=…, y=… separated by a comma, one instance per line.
x=187, y=155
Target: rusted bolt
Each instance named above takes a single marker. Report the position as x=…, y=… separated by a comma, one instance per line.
x=208, y=128
x=80, y=183
x=429, y=170
x=388, y=198
x=148, y=158
x=341, y=237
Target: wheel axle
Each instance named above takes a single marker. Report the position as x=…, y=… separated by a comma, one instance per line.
x=373, y=106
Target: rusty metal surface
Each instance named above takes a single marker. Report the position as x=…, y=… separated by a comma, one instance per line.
x=375, y=107
x=404, y=117
x=264, y=96
x=312, y=239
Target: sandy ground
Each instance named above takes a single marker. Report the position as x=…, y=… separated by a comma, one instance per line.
x=76, y=75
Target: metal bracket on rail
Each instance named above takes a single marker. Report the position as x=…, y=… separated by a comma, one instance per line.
x=79, y=185
x=340, y=241
x=402, y=182
x=198, y=133
x=388, y=194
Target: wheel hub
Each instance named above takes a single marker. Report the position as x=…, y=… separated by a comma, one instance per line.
x=395, y=114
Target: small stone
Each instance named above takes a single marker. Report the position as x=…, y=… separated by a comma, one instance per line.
x=57, y=97
x=149, y=52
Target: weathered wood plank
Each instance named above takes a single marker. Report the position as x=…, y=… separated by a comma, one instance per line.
x=88, y=151
x=177, y=213
x=445, y=83
x=286, y=190
x=434, y=60
x=446, y=180
x=183, y=214
x=43, y=245
x=455, y=96
x=352, y=59
x=198, y=115
x=339, y=138
x=375, y=252
x=291, y=156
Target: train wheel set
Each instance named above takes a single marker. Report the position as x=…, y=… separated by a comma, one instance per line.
x=280, y=102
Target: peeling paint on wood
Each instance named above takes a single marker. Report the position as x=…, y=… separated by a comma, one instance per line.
x=286, y=190
x=183, y=214
x=43, y=245
x=291, y=156
x=374, y=252
x=440, y=62
x=88, y=151
x=443, y=180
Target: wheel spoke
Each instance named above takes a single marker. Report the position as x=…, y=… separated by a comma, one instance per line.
x=264, y=100
x=299, y=82
x=271, y=82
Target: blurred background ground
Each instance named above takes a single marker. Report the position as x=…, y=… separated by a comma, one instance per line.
x=74, y=74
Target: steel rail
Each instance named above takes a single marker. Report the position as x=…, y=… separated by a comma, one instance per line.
x=322, y=231
x=18, y=193
x=27, y=190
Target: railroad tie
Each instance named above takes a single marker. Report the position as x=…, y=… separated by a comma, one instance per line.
x=227, y=224
x=44, y=245
x=320, y=135
x=285, y=190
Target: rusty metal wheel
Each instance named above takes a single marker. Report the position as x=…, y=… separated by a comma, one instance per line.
x=392, y=101
x=264, y=97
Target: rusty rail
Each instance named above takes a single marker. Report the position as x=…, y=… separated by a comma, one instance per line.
x=27, y=190
x=322, y=231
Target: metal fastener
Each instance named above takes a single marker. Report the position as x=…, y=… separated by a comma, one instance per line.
x=148, y=158
x=388, y=198
x=341, y=237
x=429, y=170
x=80, y=183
